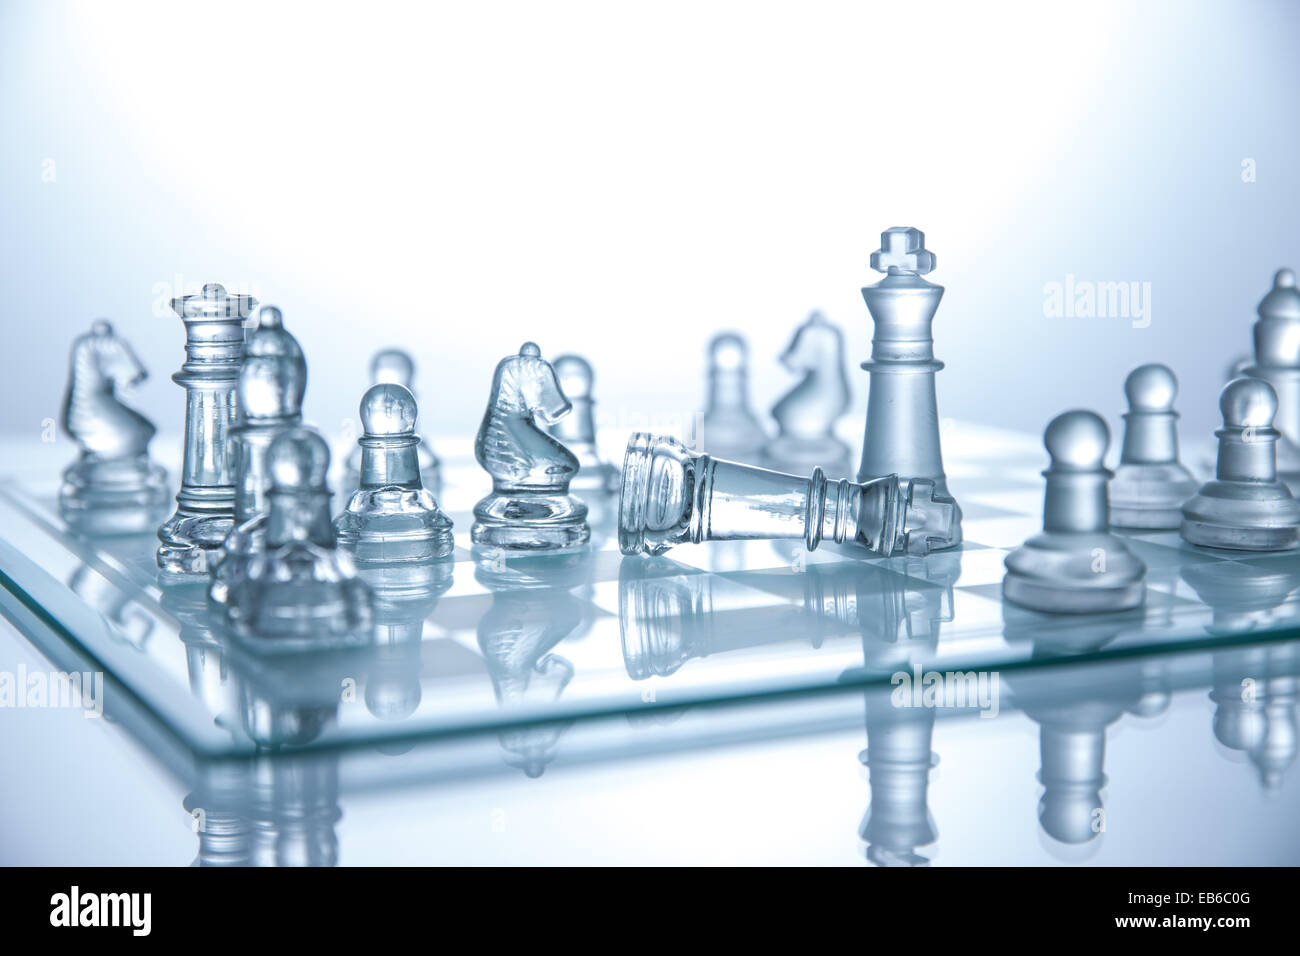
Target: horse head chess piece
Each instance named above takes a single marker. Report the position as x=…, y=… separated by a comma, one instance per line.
x=728, y=428
x=806, y=415
x=300, y=591
x=272, y=380
x=113, y=487
x=394, y=367
x=530, y=508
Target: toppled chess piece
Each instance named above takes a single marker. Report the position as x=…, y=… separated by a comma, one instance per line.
x=577, y=430
x=113, y=487
x=299, y=591
x=728, y=428
x=671, y=496
x=1277, y=361
x=806, y=415
x=205, y=505
x=392, y=519
x=1075, y=566
x=902, y=433
x=272, y=380
x=530, y=508
x=1245, y=507
x=395, y=366
x=1150, y=484
x=898, y=759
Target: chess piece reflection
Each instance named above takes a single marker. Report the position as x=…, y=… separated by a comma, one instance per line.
x=300, y=590
x=807, y=414
x=395, y=367
x=670, y=496
x=1075, y=565
x=404, y=600
x=902, y=432
x=392, y=520
x=533, y=609
x=1150, y=484
x=577, y=430
x=530, y=508
x=1255, y=709
x=1074, y=711
x=898, y=759
x=1245, y=507
x=729, y=429
x=1277, y=361
x=113, y=487
x=205, y=505
x=272, y=379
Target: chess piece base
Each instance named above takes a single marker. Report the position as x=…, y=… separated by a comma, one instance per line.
x=191, y=542
x=530, y=522
x=1242, y=516
x=100, y=497
x=1150, y=496
x=393, y=524
x=1074, y=573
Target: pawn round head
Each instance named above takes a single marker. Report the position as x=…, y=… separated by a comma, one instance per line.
x=575, y=375
x=388, y=410
x=1283, y=300
x=298, y=460
x=1077, y=441
x=392, y=365
x=1151, y=388
x=1248, y=403
x=273, y=375
x=729, y=352
x=101, y=328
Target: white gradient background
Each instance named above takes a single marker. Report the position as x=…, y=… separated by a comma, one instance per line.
x=623, y=180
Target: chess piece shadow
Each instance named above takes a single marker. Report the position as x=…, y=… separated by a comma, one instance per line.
x=533, y=610
x=394, y=367
x=530, y=508
x=113, y=487
x=272, y=380
x=806, y=415
x=728, y=428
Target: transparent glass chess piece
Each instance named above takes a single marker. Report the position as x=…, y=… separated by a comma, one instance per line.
x=394, y=367
x=112, y=487
x=672, y=496
x=729, y=428
x=392, y=520
x=1075, y=565
x=205, y=504
x=902, y=430
x=272, y=380
x=530, y=508
x=300, y=591
x=1150, y=484
x=806, y=415
x=1246, y=507
x=577, y=430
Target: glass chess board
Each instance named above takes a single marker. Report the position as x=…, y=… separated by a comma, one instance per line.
x=500, y=643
